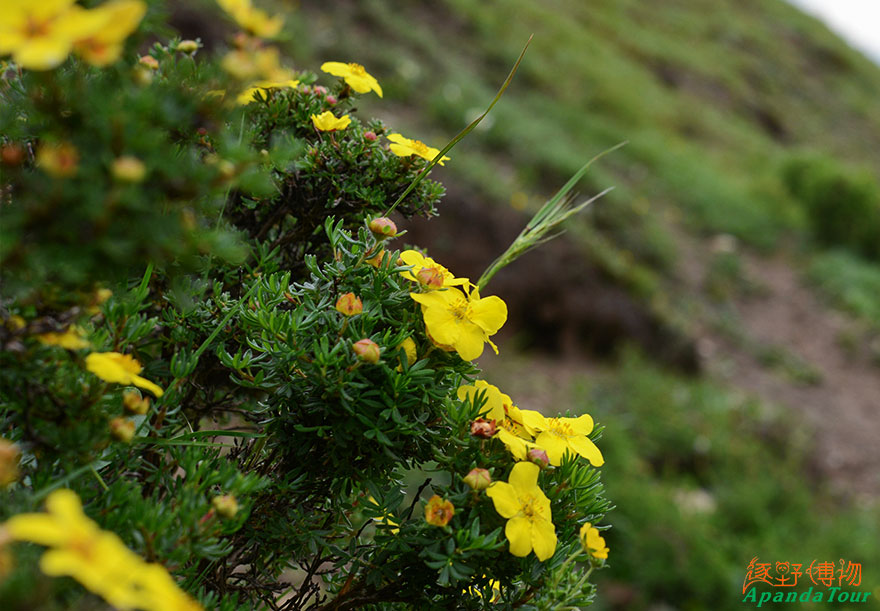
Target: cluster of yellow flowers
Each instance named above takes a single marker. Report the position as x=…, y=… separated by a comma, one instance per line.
x=41, y=34
x=98, y=559
x=457, y=318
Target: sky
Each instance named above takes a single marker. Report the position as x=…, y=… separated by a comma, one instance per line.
x=857, y=21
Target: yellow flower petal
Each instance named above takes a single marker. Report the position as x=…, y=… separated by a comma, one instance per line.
x=37, y=528
x=519, y=533
x=524, y=478
x=489, y=313
x=587, y=449
x=554, y=446
x=504, y=498
x=147, y=385
x=543, y=539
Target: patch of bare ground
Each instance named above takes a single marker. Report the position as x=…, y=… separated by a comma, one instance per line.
x=841, y=404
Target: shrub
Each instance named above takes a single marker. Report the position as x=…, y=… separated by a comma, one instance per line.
x=227, y=386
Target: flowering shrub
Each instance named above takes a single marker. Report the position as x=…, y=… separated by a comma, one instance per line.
x=222, y=380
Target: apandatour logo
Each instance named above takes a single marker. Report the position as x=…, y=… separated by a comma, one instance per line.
x=782, y=577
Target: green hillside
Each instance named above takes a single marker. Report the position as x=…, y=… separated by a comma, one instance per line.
x=740, y=245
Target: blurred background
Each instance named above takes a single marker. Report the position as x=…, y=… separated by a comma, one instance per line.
x=718, y=312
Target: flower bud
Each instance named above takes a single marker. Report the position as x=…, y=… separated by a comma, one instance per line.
x=11, y=154
x=149, y=61
x=349, y=304
x=188, y=46
x=331, y=99
x=142, y=75
x=430, y=277
x=134, y=403
x=478, y=479
x=367, y=350
x=122, y=429
x=371, y=136
x=128, y=169
x=482, y=428
x=383, y=227
x=438, y=511
x=539, y=457
x=320, y=90
x=225, y=505
x=9, y=457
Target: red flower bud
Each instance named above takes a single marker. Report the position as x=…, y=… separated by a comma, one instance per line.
x=331, y=99
x=539, y=457
x=12, y=154
x=478, y=479
x=371, y=136
x=483, y=428
x=319, y=89
x=367, y=350
x=430, y=277
x=383, y=227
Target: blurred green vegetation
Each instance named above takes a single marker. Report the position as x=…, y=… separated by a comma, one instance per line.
x=848, y=282
x=717, y=479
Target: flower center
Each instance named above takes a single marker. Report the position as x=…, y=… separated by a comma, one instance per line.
x=35, y=28
x=420, y=147
x=560, y=429
x=357, y=69
x=530, y=509
x=459, y=310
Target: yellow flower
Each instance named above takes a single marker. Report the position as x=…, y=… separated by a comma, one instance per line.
x=461, y=321
x=527, y=509
x=404, y=147
x=517, y=430
x=558, y=435
x=40, y=35
x=327, y=121
x=252, y=19
x=438, y=511
x=121, y=368
x=58, y=160
x=250, y=94
x=428, y=272
x=72, y=339
x=113, y=22
x=354, y=75
x=96, y=558
x=593, y=543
